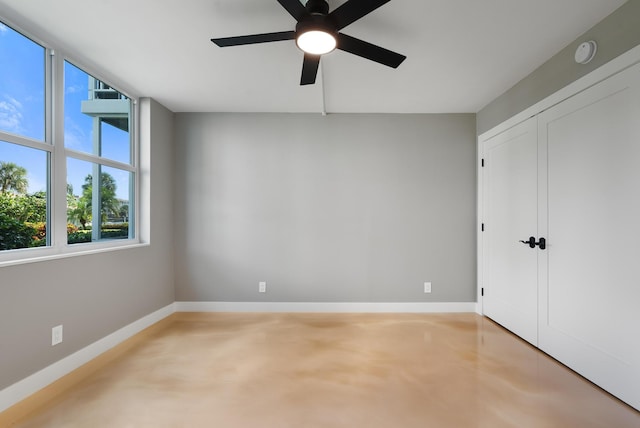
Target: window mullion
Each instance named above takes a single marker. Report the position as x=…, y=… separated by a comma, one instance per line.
x=134, y=183
x=26, y=142
x=58, y=164
x=96, y=197
x=96, y=159
x=96, y=204
x=48, y=137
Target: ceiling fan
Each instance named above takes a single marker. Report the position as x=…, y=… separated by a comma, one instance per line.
x=318, y=32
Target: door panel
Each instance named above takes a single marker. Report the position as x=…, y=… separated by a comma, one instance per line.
x=590, y=211
x=510, y=215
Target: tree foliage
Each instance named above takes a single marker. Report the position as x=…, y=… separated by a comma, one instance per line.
x=13, y=178
x=109, y=204
x=15, y=234
x=23, y=217
x=79, y=211
x=24, y=208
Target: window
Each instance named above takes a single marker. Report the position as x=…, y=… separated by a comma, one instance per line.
x=99, y=156
x=95, y=148
x=22, y=86
x=24, y=153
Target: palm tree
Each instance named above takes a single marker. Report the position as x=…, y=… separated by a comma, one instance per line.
x=13, y=178
x=109, y=204
x=80, y=212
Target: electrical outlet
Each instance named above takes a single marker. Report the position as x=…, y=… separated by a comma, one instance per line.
x=427, y=287
x=262, y=287
x=56, y=335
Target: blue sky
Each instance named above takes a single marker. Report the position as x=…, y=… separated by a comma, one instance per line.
x=22, y=94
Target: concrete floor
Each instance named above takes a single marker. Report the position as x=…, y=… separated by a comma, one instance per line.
x=333, y=370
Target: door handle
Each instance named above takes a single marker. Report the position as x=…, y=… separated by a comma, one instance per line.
x=542, y=243
x=531, y=242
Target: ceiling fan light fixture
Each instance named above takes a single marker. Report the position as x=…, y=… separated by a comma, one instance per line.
x=316, y=42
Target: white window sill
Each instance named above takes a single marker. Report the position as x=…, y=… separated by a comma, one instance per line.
x=36, y=255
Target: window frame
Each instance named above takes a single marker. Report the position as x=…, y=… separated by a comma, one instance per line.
x=57, y=153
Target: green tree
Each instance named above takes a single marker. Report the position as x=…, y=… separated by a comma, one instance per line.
x=13, y=178
x=24, y=208
x=37, y=207
x=14, y=234
x=22, y=217
x=109, y=204
x=79, y=211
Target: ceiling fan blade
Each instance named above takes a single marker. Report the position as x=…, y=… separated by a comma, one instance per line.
x=309, y=69
x=353, y=10
x=294, y=7
x=254, y=38
x=369, y=51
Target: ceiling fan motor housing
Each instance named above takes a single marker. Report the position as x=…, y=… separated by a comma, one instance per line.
x=317, y=19
x=317, y=7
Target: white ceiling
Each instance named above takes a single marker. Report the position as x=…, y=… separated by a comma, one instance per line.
x=461, y=54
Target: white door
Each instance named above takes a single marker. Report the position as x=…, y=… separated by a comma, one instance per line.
x=590, y=273
x=510, y=210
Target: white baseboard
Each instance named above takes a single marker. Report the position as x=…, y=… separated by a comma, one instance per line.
x=39, y=380
x=357, y=307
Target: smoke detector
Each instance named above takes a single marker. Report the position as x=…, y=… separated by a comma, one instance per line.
x=585, y=52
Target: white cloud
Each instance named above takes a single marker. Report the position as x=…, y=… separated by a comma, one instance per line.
x=72, y=141
x=74, y=135
x=13, y=101
x=11, y=115
x=74, y=89
x=3, y=28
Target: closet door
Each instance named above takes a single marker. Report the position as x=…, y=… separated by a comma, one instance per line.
x=590, y=211
x=509, y=216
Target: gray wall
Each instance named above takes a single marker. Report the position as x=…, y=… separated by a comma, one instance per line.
x=345, y=207
x=92, y=295
x=615, y=35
